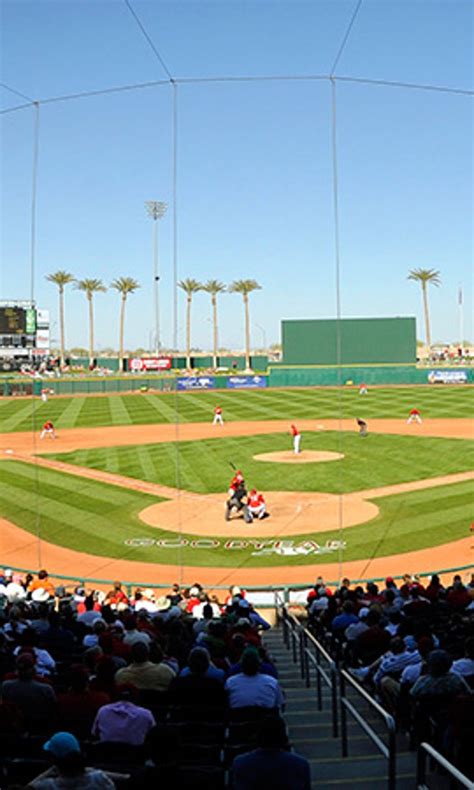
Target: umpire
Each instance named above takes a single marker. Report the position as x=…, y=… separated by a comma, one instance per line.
x=238, y=500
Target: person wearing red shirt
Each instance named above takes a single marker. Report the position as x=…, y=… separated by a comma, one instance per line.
x=218, y=416
x=236, y=481
x=256, y=505
x=296, y=438
x=116, y=597
x=414, y=416
x=48, y=430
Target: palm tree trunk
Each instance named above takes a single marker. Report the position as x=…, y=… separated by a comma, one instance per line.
x=122, y=324
x=188, y=333
x=214, y=316
x=427, y=314
x=91, y=331
x=247, y=332
x=61, y=327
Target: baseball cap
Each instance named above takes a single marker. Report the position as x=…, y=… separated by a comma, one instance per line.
x=62, y=744
x=364, y=612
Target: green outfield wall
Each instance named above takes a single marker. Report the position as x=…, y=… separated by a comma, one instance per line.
x=314, y=376
x=349, y=341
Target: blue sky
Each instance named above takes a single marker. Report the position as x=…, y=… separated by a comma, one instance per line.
x=254, y=159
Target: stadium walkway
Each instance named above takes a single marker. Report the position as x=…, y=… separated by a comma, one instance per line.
x=310, y=734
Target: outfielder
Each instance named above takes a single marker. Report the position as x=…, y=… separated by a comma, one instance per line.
x=414, y=416
x=218, y=416
x=44, y=395
x=48, y=430
x=363, y=389
x=296, y=438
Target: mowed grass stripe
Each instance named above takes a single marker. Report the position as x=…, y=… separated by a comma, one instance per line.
x=118, y=411
x=291, y=404
x=146, y=463
x=164, y=406
x=20, y=416
x=71, y=414
x=406, y=522
x=96, y=412
x=80, y=491
x=376, y=461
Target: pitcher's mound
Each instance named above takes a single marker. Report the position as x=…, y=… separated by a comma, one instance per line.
x=305, y=457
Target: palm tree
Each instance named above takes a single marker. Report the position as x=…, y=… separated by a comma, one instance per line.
x=245, y=287
x=90, y=287
x=190, y=287
x=61, y=279
x=214, y=287
x=425, y=277
x=125, y=286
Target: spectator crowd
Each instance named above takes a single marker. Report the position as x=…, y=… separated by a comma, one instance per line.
x=412, y=647
x=102, y=689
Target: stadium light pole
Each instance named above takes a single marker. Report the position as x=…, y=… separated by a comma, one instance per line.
x=264, y=335
x=156, y=209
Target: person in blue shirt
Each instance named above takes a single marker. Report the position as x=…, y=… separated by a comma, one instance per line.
x=271, y=764
x=345, y=619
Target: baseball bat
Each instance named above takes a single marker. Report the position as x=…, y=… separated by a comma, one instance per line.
x=232, y=465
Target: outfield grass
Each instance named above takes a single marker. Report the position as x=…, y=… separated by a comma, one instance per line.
x=90, y=516
x=288, y=404
x=203, y=467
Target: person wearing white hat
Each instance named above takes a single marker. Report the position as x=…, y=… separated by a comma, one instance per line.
x=145, y=600
x=15, y=592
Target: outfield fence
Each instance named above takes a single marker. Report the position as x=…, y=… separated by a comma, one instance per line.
x=277, y=376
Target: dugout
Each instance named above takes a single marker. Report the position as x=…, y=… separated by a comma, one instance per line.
x=349, y=341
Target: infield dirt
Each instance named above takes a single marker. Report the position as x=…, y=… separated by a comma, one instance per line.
x=295, y=513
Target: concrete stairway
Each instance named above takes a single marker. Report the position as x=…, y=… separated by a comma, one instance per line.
x=311, y=734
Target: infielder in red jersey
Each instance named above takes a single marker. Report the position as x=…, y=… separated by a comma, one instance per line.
x=218, y=416
x=414, y=416
x=48, y=430
x=256, y=505
x=296, y=438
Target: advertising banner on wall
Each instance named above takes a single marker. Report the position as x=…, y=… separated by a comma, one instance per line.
x=146, y=364
x=246, y=382
x=42, y=318
x=42, y=339
x=447, y=377
x=196, y=383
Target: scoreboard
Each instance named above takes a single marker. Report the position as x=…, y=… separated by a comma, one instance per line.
x=17, y=321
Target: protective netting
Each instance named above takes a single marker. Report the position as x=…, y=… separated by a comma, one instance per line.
x=353, y=181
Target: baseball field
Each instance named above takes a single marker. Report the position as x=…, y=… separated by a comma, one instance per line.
x=135, y=485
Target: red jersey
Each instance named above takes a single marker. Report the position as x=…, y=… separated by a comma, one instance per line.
x=414, y=411
x=218, y=410
x=256, y=499
x=294, y=430
x=237, y=479
x=48, y=426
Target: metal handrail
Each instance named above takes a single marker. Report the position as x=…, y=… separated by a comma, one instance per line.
x=389, y=752
x=423, y=751
x=286, y=589
x=306, y=650
x=328, y=676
